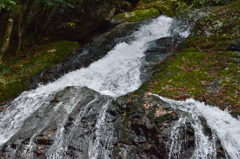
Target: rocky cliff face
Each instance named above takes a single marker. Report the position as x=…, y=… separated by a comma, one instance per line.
x=72, y=23
x=40, y=21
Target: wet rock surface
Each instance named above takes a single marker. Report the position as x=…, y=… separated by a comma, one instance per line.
x=64, y=127
x=235, y=46
x=68, y=125
x=147, y=127
x=157, y=51
x=144, y=128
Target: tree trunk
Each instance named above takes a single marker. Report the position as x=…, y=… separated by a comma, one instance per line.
x=20, y=29
x=6, y=37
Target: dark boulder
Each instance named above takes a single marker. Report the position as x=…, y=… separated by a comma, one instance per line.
x=63, y=127
x=144, y=128
x=157, y=51
x=235, y=46
x=164, y=45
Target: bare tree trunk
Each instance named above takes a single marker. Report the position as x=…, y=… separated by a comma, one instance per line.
x=23, y=7
x=20, y=30
x=6, y=37
x=50, y=16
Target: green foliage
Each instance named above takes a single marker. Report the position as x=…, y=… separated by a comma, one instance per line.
x=4, y=69
x=7, y=4
x=183, y=8
x=15, y=4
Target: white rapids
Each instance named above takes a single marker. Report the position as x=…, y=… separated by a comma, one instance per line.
x=223, y=126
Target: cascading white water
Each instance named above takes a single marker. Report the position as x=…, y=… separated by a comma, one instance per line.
x=114, y=75
x=118, y=72
x=223, y=126
x=94, y=147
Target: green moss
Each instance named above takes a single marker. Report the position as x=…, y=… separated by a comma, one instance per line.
x=12, y=87
x=46, y=56
x=165, y=9
x=143, y=88
x=190, y=74
x=13, y=77
x=137, y=15
x=204, y=69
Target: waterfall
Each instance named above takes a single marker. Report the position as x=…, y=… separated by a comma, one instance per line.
x=69, y=117
x=222, y=125
x=55, y=113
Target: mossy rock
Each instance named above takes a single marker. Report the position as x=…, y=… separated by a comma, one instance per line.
x=14, y=76
x=222, y=21
x=126, y=7
x=165, y=9
x=203, y=68
x=137, y=15
x=12, y=87
x=145, y=4
x=186, y=7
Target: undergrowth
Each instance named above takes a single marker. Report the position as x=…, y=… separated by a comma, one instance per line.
x=14, y=75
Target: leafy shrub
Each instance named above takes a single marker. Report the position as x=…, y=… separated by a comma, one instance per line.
x=7, y=4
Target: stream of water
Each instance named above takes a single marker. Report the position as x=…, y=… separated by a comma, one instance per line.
x=55, y=114
x=114, y=75
x=223, y=127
